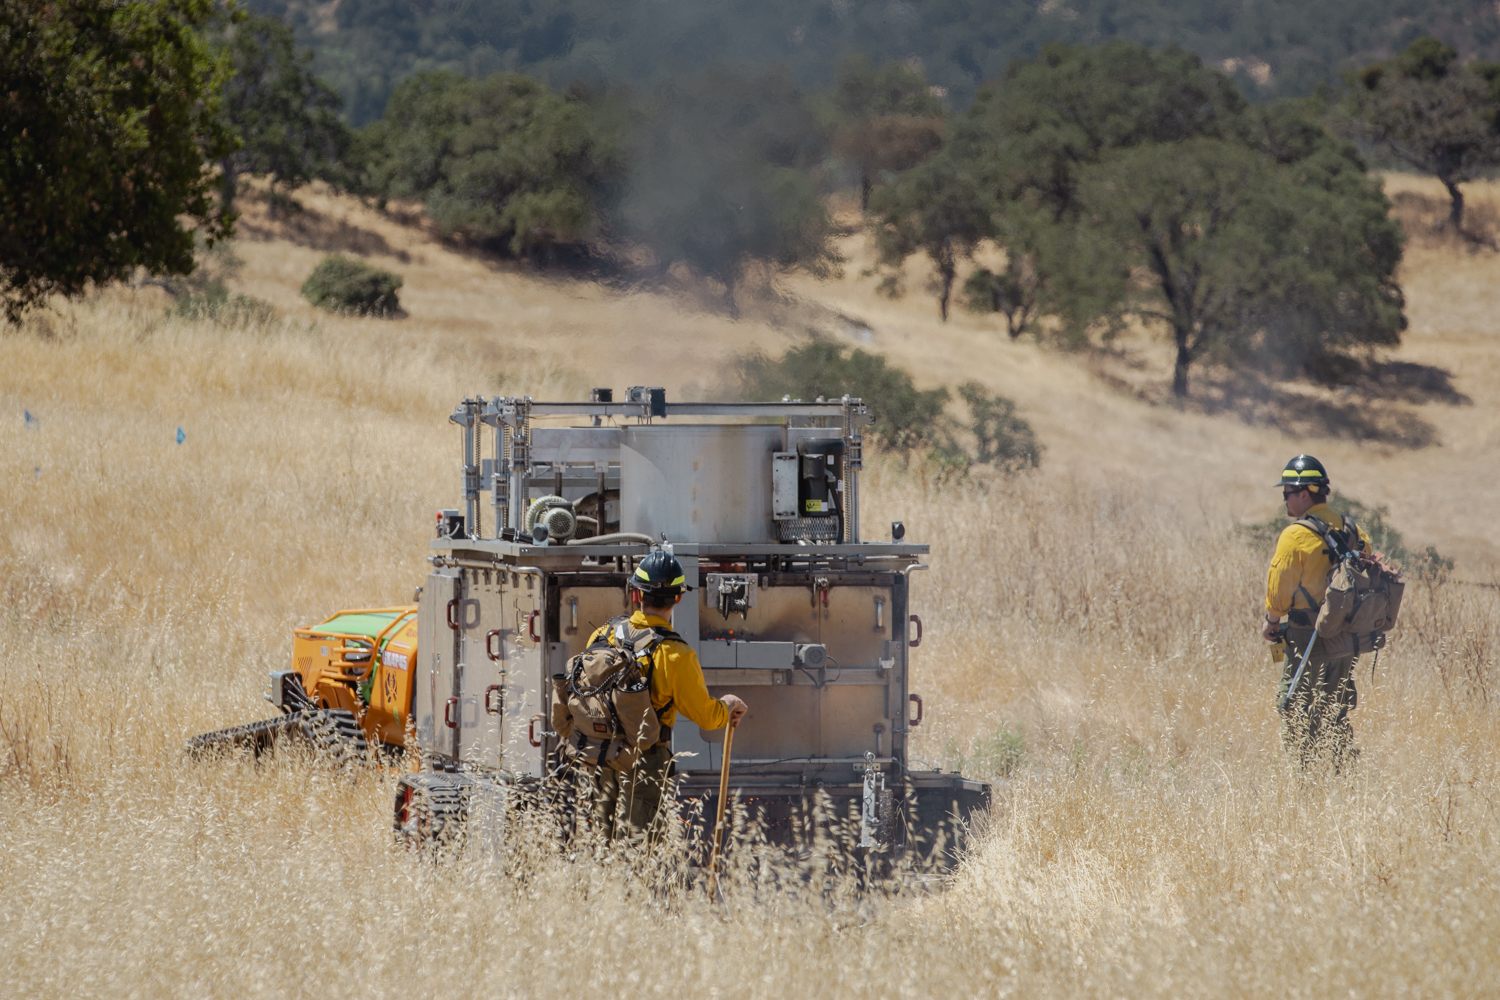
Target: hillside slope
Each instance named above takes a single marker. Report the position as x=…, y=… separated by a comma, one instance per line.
x=175, y=495
x=1421, y=435
x=1272, y=47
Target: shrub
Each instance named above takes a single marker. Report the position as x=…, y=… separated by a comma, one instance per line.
x=344, y=285
x=217, y=304
x=907, y=419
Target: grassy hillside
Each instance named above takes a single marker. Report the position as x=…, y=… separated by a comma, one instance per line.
x=1421, y=433
x=1150, y=840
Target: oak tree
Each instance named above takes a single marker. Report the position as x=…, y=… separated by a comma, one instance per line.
x=108, y=113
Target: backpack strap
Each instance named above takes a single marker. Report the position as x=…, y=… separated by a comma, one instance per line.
x=619, y=633
x=1323, y=530
x=622, y=632
x=1351, y=532
x=1312, y=605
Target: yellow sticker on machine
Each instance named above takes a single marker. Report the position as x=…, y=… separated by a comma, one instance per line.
x=813, y=507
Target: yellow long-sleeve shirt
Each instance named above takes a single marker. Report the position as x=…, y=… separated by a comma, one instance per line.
x=677, y=679
x=1301, y=564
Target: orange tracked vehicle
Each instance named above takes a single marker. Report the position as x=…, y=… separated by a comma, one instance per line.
x=349, y=688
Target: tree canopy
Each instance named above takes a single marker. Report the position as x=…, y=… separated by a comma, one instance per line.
x=502, y=159
x=1242, y=254
x=1433, y=113
x=1271, y=48
x=939, y=208
x=1126, y=184
x=883, y=119
x=287, y=119
x=108, y=113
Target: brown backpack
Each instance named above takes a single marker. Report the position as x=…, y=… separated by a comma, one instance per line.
x=601, y=707
x=1364, y=592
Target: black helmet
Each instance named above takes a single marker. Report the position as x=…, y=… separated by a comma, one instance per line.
x=660, y=575
x=1304, y=470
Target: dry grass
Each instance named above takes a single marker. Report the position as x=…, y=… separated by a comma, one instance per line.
x=1153, y=842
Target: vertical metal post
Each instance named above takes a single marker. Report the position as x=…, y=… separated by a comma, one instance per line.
x=466, y=415
x=520, y=461
x=854, y=460
x=494, y=416
x=602, y=469
x=475, y=484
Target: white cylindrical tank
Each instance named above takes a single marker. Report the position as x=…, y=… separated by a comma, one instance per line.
x=698, y=483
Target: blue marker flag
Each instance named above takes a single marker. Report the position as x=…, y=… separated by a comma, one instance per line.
x=32, y=423
x=181, y=437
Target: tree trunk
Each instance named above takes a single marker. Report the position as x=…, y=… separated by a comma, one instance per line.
x=947, y=268
x=1456, y=206
x=730, y=302
x=865, y=186
x=228, y=182
x=1184, y=358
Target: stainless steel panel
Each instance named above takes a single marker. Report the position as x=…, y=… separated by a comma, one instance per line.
x=850, y=629
x=509, y=604
x=525, y=675
x=436, y=656
x=724, y=654
x=481, y=735
x=848, y=718
x=785, y=469
x=590, y=607
x=575, y=445
x=727, y=677
x=781, y=614
x=764, y=655
x=716, y=654
x=698, y=483
x=781, y=722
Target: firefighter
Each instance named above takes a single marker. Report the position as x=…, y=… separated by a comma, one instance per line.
x=1316, y=719
x=625, y=804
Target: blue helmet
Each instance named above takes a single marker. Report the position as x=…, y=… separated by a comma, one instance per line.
x=1304, y=470
x=659, y=575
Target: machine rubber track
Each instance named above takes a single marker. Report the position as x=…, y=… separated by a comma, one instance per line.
x=336, y=734
x=329, y=732
x=432, y=811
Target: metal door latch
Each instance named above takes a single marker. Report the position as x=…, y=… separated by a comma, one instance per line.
x=732, y=592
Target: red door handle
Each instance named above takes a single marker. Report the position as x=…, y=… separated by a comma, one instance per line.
x=452, y=606
x=531, y=732
x=918, y=640
x=531, y=629
x=448, y=713
x=914, y=723
x=489, y=644
x=493, y=707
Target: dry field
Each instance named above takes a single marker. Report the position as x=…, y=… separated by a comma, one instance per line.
x=1152, y=840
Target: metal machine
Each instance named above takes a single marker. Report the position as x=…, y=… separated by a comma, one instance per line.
x=795, y=610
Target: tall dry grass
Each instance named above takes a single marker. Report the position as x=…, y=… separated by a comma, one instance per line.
x=1152, y=840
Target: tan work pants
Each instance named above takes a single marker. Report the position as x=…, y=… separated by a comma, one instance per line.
x=1316, y=720
x=624, y=806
